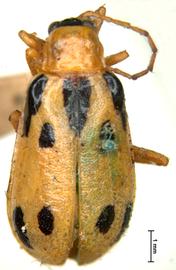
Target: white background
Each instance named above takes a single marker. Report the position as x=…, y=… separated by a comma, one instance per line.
x=151, y=105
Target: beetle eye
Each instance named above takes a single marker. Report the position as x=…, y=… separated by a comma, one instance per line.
x=69, y=22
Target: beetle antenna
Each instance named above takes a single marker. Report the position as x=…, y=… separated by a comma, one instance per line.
x=93, y=14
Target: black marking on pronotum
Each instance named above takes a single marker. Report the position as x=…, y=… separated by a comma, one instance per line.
x=46, y=220
x=126, y=219
x=47, y=138
x=20, y=226
x=69, y=22
x=33, y=101
x=107, y=138
x=106, y=219
x=117, y=92
x=76, y=92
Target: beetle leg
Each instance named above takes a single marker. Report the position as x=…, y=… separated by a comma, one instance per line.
x=151, y=43
x=14, y=119
x=34, y=60
x=34, y=54
x=116, y=58
x=143, y=155
x=12, y=97
x=32, y=40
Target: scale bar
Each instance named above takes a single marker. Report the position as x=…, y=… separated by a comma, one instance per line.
x=151, y=246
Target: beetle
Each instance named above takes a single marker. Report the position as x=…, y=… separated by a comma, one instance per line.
x=72, y=185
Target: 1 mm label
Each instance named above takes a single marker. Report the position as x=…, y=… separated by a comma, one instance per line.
x=153, y=246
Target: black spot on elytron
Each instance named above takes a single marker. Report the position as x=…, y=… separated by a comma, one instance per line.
x=46, y=220
x=127, y=215
x=69, y=22
x=117, y=92
x=76, y=92
x=106, y=219
x=33, y=101
x=20, y=226
x=107, y=137
x=126, y=220
x=47, y=138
